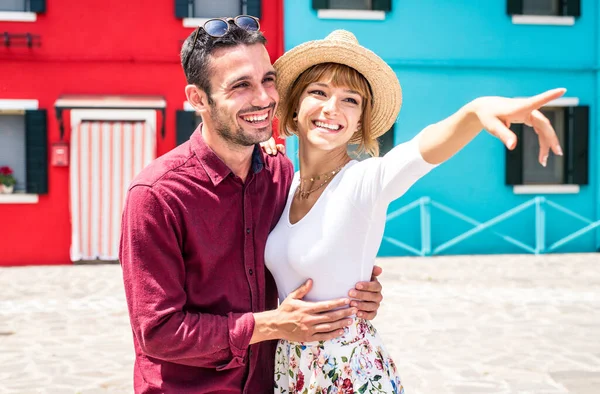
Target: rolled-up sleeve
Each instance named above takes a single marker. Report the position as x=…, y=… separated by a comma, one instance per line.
x=154, y=276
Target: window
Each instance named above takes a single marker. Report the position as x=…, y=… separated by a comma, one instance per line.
x=544, y=7
x=23, y=147
x=572, y=128
x=350, y=5
x=216, y=9
x=37, y=6
x=373, y=5
x=12, y=146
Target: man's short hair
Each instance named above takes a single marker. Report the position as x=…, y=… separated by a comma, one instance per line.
x=197, y=71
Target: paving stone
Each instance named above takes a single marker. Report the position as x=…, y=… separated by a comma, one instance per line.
x=456, y=324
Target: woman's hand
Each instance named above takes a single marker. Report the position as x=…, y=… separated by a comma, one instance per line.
x=367, y=296
x=497, y=113
x=270, y=147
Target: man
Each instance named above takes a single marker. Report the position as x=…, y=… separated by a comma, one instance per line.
x=203, y=308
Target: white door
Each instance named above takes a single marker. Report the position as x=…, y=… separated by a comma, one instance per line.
x=105, y=157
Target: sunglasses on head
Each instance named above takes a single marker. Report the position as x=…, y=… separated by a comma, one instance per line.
x=218, y=27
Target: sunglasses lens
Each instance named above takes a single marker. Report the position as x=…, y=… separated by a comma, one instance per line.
x=247, y=23
x=216, y=27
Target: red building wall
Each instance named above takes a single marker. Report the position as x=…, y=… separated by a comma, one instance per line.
x=100, y=47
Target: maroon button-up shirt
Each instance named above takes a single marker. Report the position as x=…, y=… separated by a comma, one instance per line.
x=192, y=252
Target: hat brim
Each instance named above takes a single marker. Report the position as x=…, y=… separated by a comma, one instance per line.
x=387, y=93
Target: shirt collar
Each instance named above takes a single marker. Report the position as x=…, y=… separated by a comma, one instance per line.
x=215, y=168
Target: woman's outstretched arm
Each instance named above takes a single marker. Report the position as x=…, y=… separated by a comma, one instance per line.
x=440, y=141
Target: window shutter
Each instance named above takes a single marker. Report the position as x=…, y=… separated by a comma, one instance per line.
x=37, y=6
x=382, y=5
x=253, y=8
x=514, y=159
x=514, y=7
x=182, y=8
x=186, y=123
x=578, y=131
x=573, y=7
x=36, y=150
x=320, y=4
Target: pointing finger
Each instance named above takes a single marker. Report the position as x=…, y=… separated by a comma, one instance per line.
x=498, y=128
x=547, y=135
x=542, y=99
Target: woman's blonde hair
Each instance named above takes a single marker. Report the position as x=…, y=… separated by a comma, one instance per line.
x=338, y=75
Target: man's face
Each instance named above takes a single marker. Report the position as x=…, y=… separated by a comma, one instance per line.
x=243, y=92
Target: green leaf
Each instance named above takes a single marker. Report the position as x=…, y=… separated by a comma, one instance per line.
x=363, y=388
x=377, y=377
x=345, y=359
x=298, y=351
x=291, y=373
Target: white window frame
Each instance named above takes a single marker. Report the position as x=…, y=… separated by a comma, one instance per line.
x=9, y=106
x=17, y=16
x=373, y=15
x=550, y=20
x=194, y=22
x=551, y=189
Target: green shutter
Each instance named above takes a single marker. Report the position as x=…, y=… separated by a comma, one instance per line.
x=182, y=8
x=577, y=156
x=253, y=8
x=320, y=4
x=186, y=124
x=514, y=7
x=514, y=159
x=37, y=6
x=573, y=8
x=36, y=150
x=382, y=5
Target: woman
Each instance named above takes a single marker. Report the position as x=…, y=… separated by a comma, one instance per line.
x=335, y=93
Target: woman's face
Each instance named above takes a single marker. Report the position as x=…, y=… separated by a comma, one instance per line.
x=328, y=115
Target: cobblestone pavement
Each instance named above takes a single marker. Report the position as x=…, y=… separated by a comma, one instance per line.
x=463, y=324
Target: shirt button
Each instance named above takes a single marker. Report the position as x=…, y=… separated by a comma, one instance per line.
x=250, y=271
x=248, y=230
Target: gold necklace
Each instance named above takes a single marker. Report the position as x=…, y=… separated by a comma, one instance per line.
x=303, y=194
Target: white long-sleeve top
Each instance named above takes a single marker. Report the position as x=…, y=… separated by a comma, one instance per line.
x=336, y=242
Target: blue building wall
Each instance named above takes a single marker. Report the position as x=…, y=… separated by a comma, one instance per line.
x=447, y=53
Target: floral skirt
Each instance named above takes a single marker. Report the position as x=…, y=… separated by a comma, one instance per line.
x=355, y=362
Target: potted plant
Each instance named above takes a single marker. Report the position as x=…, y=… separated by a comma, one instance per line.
x=7, y=180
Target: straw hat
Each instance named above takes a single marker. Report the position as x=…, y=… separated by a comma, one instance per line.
x=342, y=47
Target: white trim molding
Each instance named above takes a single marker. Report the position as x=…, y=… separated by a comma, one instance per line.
x=194, y=22
x=14, y=16
x=18, y=105
x=546, y=189
x=78, y=115
x=352, y=14
x=543, y=20
x=562, y=102
x=19, y=198
x=73, y=101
